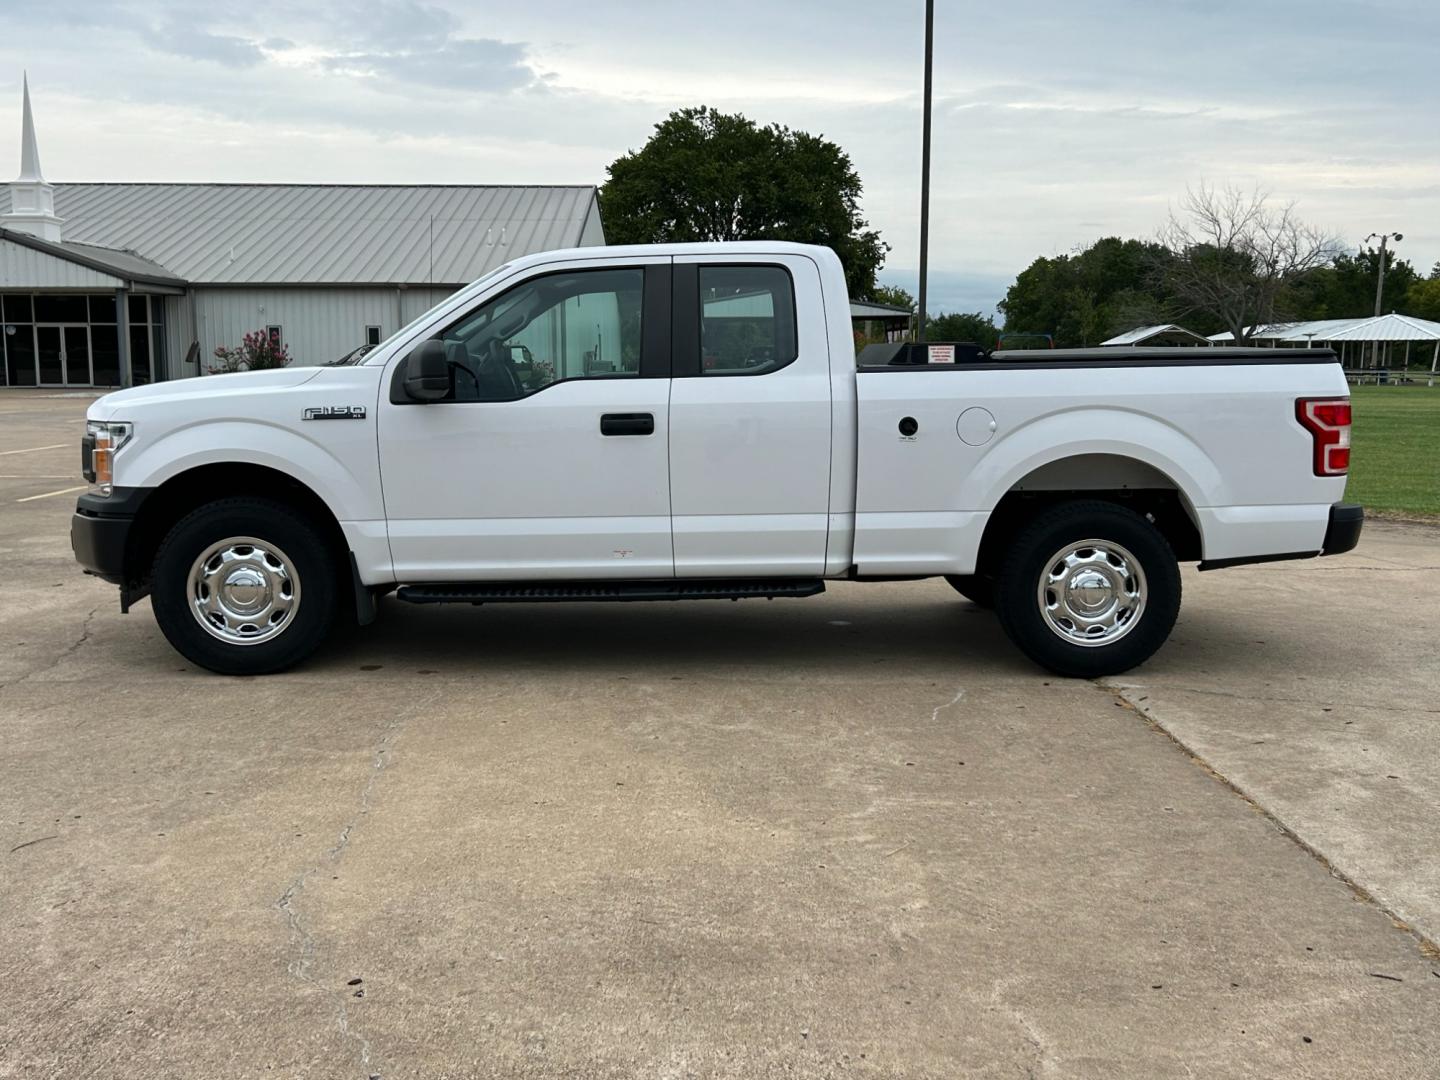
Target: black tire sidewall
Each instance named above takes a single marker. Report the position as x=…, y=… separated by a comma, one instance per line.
x=979, y=590
x=1073, y=522
x=264, y=520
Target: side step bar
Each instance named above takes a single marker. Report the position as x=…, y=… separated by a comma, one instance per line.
x=528, y=592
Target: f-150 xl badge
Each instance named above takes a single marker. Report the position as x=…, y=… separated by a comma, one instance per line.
x=334, y=412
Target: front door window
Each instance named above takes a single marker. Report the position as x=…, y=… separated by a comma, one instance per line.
x=584, y=324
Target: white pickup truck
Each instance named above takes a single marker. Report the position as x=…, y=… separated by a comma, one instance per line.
x=689, y=421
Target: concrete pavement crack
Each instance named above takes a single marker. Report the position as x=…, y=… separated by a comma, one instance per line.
x=1321, y=702
x=69, y=650
x=1044, y=1058
x=300, y=934
x=1122, y=697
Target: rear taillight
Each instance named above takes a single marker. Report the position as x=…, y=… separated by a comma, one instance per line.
x=1328, y=421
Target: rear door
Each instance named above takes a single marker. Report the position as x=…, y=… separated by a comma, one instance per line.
x=750, y=427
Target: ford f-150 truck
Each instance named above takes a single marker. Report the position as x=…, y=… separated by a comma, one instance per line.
x=690, y=422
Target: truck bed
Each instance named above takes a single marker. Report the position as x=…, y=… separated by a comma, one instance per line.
x=937, y=453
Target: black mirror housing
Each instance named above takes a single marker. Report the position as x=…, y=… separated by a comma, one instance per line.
x=427, y=373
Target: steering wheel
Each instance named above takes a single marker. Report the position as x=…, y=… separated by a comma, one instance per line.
x=498, y=374
x=457, y=368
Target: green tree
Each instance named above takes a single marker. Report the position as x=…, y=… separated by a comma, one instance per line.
x=708, y=175
x=1423, y=299
x=1084, y=298
x=962, y=326
x=1346, y=288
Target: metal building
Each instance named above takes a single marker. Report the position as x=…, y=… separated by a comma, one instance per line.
x=117, y=284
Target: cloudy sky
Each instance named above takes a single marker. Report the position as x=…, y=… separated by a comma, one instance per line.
x=1056, y=123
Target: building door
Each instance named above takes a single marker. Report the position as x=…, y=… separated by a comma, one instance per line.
x=63, y=355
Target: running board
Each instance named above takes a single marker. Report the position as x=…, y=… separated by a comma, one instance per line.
x=592, y=591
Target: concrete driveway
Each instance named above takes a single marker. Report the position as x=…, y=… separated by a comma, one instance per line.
x=853, y=835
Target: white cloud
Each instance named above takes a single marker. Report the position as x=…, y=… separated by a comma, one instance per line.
x=1055, y=123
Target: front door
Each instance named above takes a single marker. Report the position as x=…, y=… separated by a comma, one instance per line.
x=548, y=456
x=63, y=355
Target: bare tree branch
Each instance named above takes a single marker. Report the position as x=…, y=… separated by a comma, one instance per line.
x=1233, y=252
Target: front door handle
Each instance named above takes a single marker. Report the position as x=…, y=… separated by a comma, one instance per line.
x=627, y=423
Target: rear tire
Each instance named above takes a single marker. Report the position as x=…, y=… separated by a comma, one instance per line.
x=244, y=586
x=1089, y=589
x=980, y=591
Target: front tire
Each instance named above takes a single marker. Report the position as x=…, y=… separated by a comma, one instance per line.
x=244, y=586
x=1089, y=589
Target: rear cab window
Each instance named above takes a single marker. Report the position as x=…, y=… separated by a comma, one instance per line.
x=747, y=320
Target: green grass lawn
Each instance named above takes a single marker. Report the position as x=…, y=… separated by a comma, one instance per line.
x=1395, y=463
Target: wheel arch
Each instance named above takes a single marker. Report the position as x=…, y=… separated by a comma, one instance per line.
x=185, y=491
x=1119, y=478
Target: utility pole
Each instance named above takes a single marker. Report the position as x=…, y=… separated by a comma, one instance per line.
x=1384, y=239
x=925, y=168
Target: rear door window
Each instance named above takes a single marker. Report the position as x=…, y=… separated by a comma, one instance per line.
x=747, y=320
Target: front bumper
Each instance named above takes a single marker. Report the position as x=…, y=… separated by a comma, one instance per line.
x=100, y=530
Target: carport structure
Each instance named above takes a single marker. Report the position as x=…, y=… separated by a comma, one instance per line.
x=1351, y=337
x=1391, y=329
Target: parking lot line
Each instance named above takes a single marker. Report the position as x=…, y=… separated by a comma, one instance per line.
x=36, y=476
x=62, y=491
x=33, y=449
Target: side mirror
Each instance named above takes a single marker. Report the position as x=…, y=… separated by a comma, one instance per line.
x=427, y=374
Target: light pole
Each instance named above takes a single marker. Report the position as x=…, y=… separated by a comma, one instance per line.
x=925, y=167
x=1384, y=239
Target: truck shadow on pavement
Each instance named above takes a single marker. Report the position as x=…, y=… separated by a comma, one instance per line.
x=927, y=633
x=792, y=638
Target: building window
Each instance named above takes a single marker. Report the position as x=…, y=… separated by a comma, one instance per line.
x=60, y=308
x=276, y=336
x=372, y=335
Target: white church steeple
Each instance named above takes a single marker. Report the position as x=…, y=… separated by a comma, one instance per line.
x=32, y=200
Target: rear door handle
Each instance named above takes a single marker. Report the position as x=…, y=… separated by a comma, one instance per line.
x=627, y=423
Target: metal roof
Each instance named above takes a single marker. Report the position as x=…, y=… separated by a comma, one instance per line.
x=322, y=234
x=1315, y=329
x=867, y=309
x=1371, y=328
x=1390, y=327
x=1145, y=333
x=122, y=264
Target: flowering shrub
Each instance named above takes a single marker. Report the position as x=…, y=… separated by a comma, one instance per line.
x=257, y=352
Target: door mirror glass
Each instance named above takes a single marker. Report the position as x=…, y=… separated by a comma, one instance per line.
x=427, y=375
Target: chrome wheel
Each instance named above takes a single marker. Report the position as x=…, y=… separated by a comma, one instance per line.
x=244, y=591
x=1092, y=592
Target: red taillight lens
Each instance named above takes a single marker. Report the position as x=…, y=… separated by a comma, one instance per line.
x=1328, y=421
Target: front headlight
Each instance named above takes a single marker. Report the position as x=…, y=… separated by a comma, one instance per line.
x=103, y=440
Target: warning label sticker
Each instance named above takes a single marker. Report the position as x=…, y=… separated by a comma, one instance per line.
x=942, y=354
